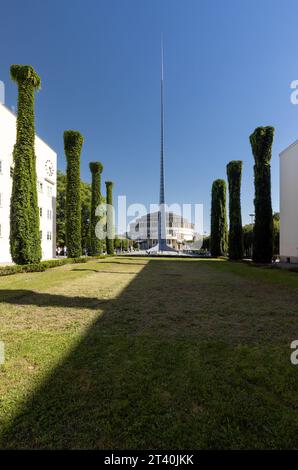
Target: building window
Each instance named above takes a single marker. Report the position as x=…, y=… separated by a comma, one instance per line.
x=50, y=191
x=39, y=186
x=0, y=167
x=49, y=214
x=40, y=212
x=49, y=235
x=40, y=234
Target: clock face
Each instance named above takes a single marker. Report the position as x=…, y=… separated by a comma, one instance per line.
x=49, y=168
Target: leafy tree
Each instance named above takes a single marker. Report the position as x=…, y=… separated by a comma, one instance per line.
x=234, y=170
x=248, y=236
x=96, y=170
x=25, y=243
x=122, y=243
x=206, y=243
x=219, y=230
x=261, y=143
x=276, y=230
x=61, y=211
x=248, y=240
x=73, y=142
x=85, y=216
x=110, y=222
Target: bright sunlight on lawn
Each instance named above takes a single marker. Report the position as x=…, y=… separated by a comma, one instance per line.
x=138, y=353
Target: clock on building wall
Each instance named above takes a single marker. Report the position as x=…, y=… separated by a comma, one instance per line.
x=49, y=168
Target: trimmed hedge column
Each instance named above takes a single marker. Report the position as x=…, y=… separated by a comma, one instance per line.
x=25, y=243
x=96, y=170
x=234, y=170
x=110, y=221
x=73, y=142
x=219, y=230
x=261, y=143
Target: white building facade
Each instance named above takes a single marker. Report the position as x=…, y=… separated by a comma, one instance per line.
x=46, y=169
x=289, y=204
x=179, y=231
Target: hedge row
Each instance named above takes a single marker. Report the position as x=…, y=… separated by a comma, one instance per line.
x=40, y=267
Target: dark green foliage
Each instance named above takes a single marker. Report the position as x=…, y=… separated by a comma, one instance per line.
x=276, y=229
x=95, y=243
x=43, y=266
x=234, y=170
x=247, y=240
x=206, y=243
x=25, y=244
x=73, y=142
x=85, y=216
x=17, y=268
x=261, y=144
x=61, y=211
x=219, y=230
x=122, y=244
x=110, y=221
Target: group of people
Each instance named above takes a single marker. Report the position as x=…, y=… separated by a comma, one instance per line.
x=61, y=251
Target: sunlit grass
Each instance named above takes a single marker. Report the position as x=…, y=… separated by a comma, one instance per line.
x=138, y=353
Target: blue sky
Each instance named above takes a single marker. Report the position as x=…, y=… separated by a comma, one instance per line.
x=228, y=69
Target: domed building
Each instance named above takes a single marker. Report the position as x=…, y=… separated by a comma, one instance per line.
x=179, y=231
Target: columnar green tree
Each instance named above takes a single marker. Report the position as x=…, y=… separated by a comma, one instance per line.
x=261, y=143
x=25, y=243
x=73, y=142
x=234, y=170
x=219, y=230
x=96, y=170
x=110, y=218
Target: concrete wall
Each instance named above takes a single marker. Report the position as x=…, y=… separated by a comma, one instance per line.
x=289, y=203
x=46, y=162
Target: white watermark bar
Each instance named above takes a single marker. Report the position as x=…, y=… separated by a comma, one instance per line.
x=2, y=92
x=294, y=355
x=137, y=220
x=2, y=352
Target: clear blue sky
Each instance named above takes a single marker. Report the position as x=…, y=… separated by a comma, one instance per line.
x=228, y=69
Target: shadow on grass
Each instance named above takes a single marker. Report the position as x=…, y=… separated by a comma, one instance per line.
x=120, y=389
x=104, y=272
x=27, y=297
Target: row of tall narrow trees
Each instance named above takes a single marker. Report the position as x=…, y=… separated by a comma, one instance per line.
x=73, y=142
x=25, y=240
x=230, y=242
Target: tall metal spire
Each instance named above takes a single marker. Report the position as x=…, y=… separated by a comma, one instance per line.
x=162, y=242
x=162, y=181
x=162, y=232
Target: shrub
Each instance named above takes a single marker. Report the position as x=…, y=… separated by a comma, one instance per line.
x=234, y=169
x=96, y=170
x=25, y=244
x=40, y=267
x=73, y=142
x=261, y=143
x=110, y=221
x=27, y=268
x=219, y=231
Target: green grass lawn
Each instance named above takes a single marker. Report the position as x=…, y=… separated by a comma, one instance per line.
x=130, y=353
